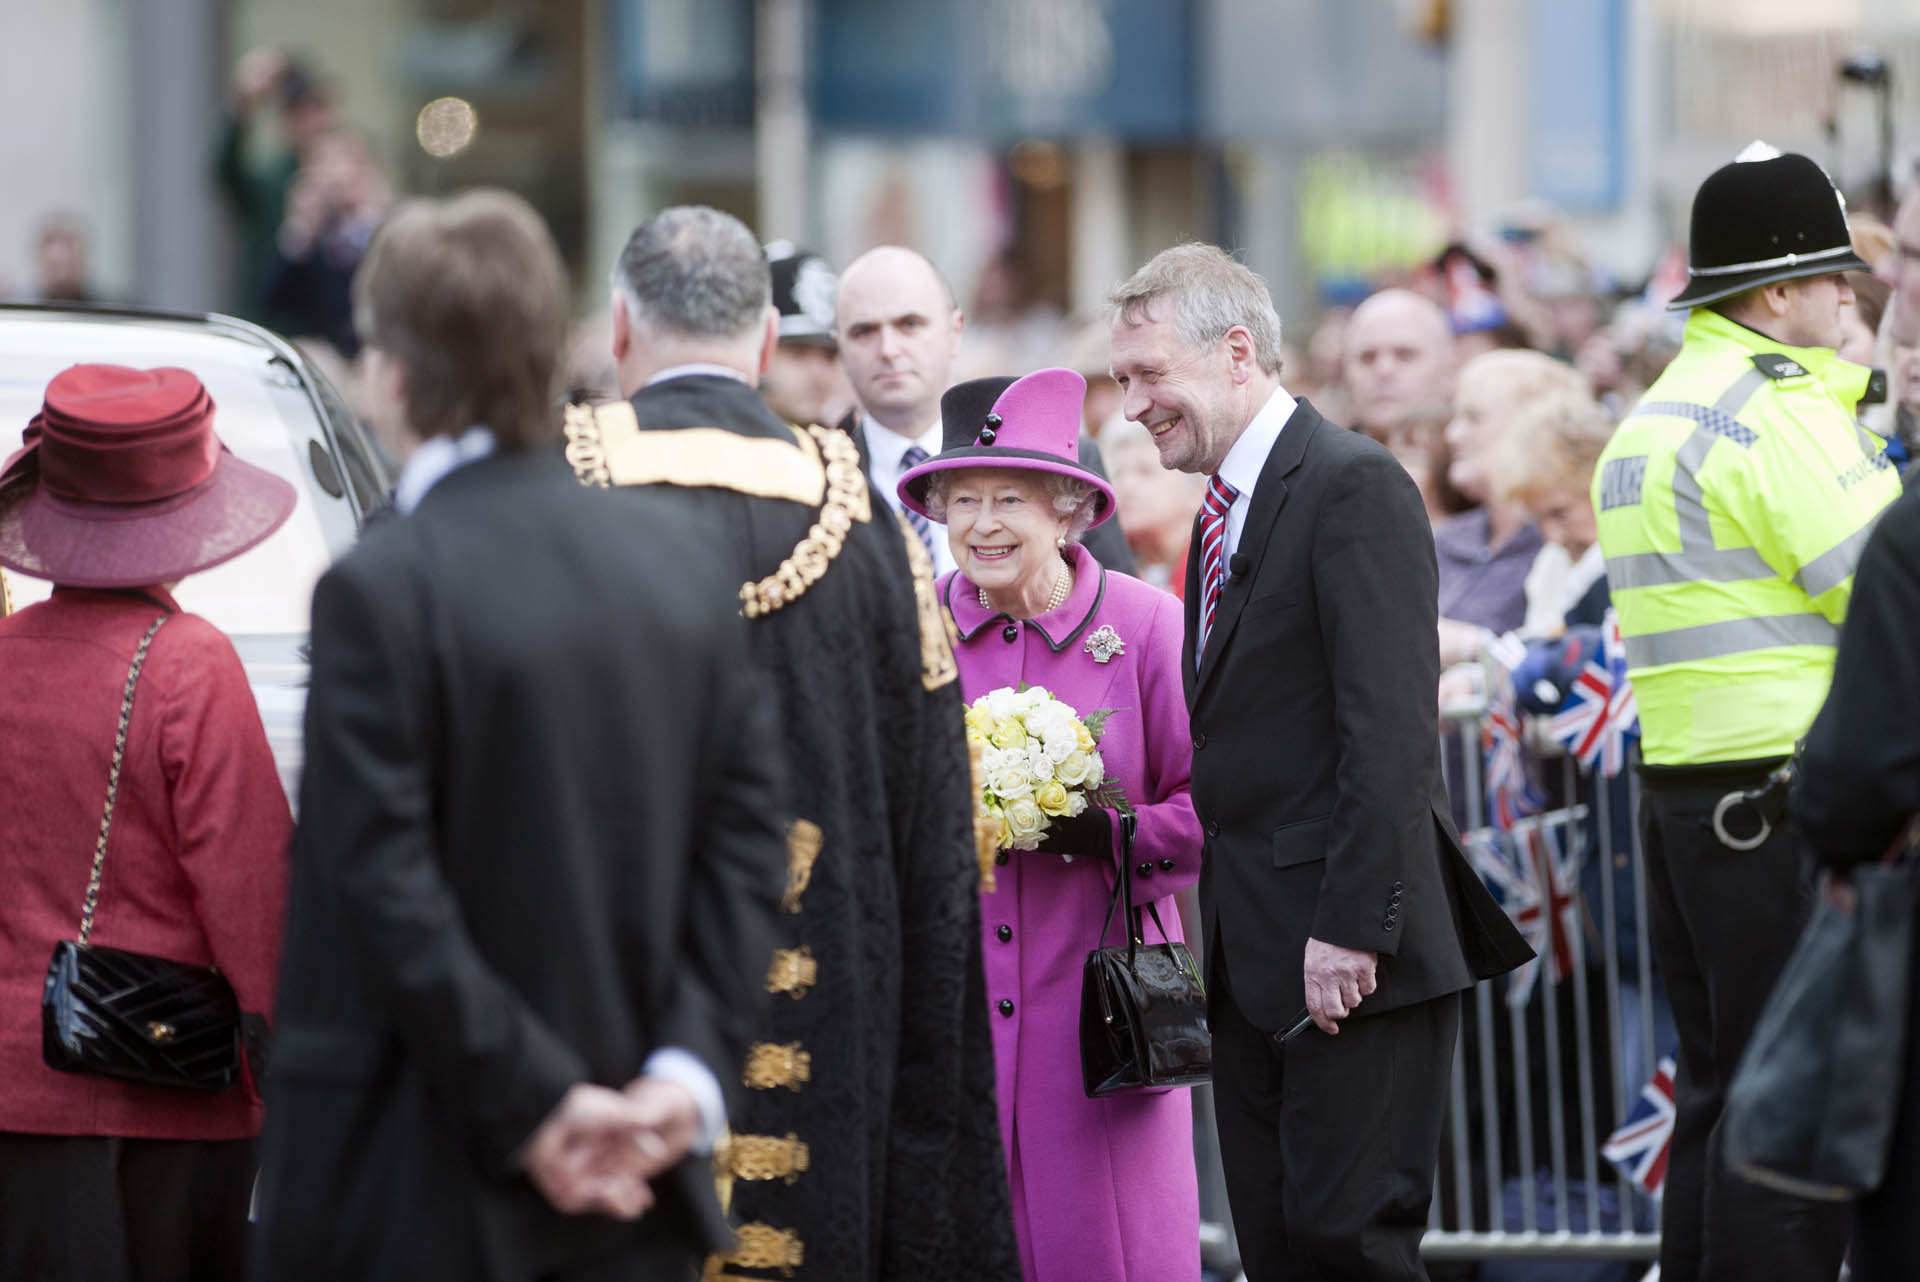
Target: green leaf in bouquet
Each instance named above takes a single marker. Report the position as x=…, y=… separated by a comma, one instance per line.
x=1112, y=796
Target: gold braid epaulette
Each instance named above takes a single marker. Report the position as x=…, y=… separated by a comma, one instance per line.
x=714, y=457
x=847, y=502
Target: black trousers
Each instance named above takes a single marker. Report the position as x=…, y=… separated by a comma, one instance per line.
x=82, y=1208
x=1723, y=923
x=1330, y=1145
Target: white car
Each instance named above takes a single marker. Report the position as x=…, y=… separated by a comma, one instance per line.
x=271, y=408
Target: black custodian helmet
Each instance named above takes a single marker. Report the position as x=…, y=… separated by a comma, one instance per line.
x=1766, y=217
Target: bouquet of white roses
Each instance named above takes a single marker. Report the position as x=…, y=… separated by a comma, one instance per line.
x=1039, y=761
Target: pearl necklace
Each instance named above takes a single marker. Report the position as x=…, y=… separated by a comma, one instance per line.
x=1062, y=588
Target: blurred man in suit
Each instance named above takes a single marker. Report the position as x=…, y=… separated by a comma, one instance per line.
x=535, y=877
x=1334, y=887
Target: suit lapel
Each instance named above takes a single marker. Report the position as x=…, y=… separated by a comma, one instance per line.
x=1269, y=496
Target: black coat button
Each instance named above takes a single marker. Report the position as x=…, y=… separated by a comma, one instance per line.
x=1392, y=912
x=1005, y=933
x=1145, y=870
x=1166, y=865
x=1213, y=828
x=1388, y=925
x=1199, y=742
x=1006, y=1006
x=1011, y=632
x=1398, y=887
x=1000, y=858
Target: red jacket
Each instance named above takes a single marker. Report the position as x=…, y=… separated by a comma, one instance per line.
x=196, y=869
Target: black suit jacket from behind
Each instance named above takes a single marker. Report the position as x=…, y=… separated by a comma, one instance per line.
x=538, y=841
x=1316, y=768
x=905, y=1175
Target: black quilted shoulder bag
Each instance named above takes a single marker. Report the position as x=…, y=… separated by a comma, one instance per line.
x=1143, y=1009
x=133, y=1016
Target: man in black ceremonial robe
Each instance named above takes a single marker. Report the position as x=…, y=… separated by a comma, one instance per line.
x=867, y=1144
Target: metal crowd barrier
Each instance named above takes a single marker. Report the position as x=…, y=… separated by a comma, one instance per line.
x=1506, y=1191
x=1538, y=1085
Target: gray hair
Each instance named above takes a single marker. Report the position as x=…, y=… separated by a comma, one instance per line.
x=694, y=272
x=1073, y=498
x=1207, y=293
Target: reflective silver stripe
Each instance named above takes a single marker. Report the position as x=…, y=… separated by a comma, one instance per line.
x=1758, y=264
x=1730, y=636
x=1714, y=423
x=1707, y=565
x=1831, y=568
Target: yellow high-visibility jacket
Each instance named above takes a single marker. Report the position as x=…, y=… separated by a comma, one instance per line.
x=1733, y=503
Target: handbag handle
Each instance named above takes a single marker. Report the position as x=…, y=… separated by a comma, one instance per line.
x=1123, y=893
x=113, y=779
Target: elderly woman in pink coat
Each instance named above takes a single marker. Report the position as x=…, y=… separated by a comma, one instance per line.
x=1103, y=1189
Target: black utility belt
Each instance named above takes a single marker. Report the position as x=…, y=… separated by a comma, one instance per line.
x=1712, y=774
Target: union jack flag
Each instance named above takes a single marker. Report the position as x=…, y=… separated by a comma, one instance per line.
x=1641, y=1146
x=1510, y=790
x=1534, y=872
x=1600, y=713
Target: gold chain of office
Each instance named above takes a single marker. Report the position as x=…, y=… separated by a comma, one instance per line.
x=846, y=503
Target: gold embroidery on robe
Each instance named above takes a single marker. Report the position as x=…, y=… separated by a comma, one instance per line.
x=804, y=840
x=937, y=665
x=764, y=1157
x=772, y=1064
x=793, y=971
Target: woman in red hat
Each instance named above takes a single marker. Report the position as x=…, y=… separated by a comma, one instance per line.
x=121, y=491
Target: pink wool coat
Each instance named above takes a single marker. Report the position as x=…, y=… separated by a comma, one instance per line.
x=1102, y=1189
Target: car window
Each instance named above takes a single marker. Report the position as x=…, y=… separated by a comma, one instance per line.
x=262, y=413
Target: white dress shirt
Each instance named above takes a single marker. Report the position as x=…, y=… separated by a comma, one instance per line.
x=1244, y=462
x=885, y=465
x=431, y=461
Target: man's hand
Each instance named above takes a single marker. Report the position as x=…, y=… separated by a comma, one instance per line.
x=587, y=1158
x=672, y=1120
x=1336, y=980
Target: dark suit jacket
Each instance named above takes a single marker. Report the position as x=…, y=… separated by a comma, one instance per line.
x=1316, y=766
x=1107, y=541
x=537, y=842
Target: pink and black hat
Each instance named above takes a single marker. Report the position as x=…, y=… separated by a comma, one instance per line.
x=1029, y=424
x=122, y=483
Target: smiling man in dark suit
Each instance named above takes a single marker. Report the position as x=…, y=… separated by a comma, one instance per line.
x=1334, y=886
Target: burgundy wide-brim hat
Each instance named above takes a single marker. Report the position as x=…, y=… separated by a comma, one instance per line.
x=121, y=483
x=1029, y=424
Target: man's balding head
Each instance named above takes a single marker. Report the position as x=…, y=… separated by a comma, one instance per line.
x=1399, y=356
x=899, y=331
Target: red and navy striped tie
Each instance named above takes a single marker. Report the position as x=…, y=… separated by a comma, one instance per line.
x=1213, y=550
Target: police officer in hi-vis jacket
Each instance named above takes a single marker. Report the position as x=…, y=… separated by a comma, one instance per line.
x=1733, y=503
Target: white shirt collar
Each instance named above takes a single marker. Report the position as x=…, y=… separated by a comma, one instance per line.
x=695, y=367
x=1244, y=462
x=884, y=442
x=432, y=459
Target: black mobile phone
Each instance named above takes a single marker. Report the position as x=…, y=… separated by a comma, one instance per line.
x=1301, y=1023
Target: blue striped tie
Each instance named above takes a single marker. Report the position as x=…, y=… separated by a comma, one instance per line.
x=914, y=457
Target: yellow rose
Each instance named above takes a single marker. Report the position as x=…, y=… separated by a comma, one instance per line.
x=979, y=722
x=1082, y=736
x=1009, y=733
x=1052, y=798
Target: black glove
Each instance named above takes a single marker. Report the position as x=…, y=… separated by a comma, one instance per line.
x=1090, y=833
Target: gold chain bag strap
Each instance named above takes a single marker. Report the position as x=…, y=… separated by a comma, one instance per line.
x=133, y=1016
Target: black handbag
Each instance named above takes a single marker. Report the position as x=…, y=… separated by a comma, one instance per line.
x=1811, y=1109
x=1143, y=1008
x=132, y=1016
